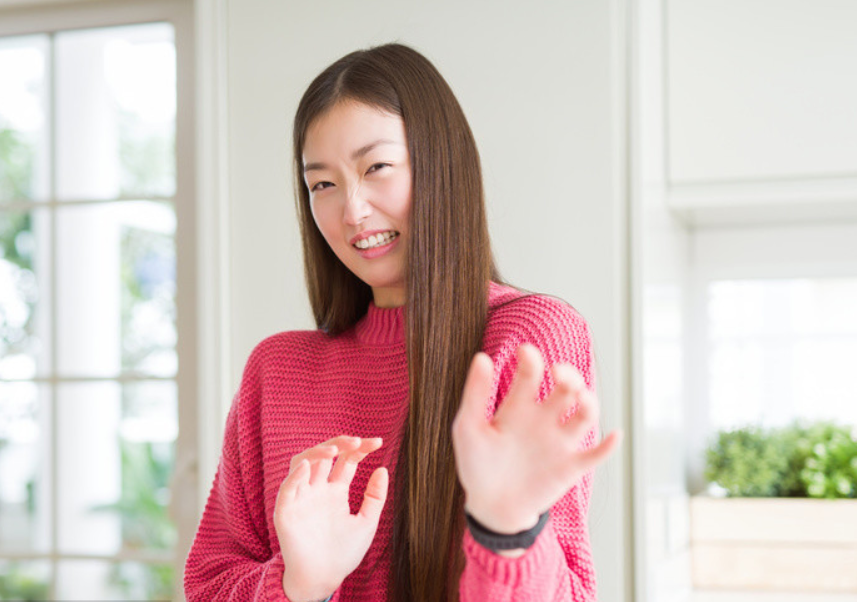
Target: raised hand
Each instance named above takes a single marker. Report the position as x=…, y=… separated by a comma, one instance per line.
x=516, y=466
x=321, y=541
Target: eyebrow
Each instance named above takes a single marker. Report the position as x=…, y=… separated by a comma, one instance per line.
x=360, y=152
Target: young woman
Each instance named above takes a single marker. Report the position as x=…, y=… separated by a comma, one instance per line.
x=434, y=439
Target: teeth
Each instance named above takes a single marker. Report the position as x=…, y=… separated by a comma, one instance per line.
x=376, y=240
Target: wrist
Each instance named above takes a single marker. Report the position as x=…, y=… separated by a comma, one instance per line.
x=301, y=592
x=501, y=520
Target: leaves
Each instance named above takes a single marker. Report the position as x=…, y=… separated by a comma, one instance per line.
x=818, y=460
x=746, y=462
x=19, y=581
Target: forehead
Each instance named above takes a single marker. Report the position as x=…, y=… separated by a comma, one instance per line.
x=349, y=125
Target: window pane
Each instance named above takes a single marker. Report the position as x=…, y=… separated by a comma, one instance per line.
x=782, y=350
x=90, y=467
x=24, y=311
x=24, y=468
x=116, y=289
x=147, y=437
x=23, y=122
x=116, y=112
x=96, y=580
x=25, y=580
x=116, y=460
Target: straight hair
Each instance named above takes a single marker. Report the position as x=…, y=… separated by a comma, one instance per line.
x=449, y=266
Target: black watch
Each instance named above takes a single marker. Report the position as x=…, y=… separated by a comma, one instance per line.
x=503, y=541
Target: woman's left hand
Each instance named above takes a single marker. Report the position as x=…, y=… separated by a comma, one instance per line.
x=517, y=465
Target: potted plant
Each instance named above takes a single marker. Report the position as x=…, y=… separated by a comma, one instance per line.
x=785, y=517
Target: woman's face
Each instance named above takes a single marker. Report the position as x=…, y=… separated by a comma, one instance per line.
x=358, y=172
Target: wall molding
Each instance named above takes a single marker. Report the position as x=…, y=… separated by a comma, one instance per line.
x=772, y=201
x=213, y=248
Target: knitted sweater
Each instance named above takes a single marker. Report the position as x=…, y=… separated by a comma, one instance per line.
x=303, y=387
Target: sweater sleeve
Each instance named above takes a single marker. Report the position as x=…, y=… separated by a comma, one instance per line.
x=232, y=559
x=558, y=567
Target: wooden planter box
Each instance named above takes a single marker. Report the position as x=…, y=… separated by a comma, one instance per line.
x=783, y=544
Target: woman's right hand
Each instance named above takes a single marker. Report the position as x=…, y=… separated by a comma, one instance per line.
x=320, y=540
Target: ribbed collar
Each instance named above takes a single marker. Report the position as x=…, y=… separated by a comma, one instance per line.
x=381, y=325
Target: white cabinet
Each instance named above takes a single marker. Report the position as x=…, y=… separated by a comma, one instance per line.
x=761, y=109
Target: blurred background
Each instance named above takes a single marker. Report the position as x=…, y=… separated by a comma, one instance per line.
x=683, y=172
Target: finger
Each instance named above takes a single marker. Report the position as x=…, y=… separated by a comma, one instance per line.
x=375, y=495
x=476, y=393
x=320, y=471
x=521, y=397
x=329, y=448
x=346, y=465
x=568, y=383
x=344, y=442
x=589, y=459
x=585, y=417
x=314, y=454
x=292, y=483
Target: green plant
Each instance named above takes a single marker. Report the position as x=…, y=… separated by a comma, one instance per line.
x=17, y=158
x=18, y=583
x=830, y=467
x=796, y=443
x=146, y=469
x=817, y=460
x=746, y=462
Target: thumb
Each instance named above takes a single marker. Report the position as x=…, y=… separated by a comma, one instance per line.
x=375, y=495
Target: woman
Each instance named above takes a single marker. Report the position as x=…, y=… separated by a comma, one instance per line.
x=398, y=452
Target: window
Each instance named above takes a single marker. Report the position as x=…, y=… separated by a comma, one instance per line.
x=771, y=331
x=89, y=367
x=782, y=350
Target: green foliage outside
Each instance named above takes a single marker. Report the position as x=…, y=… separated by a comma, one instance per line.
x=147, y=157
x=146, y=469
x=18, y=583
x=145, y=466
x=17, y=157
x=817, y=460
x=17, y=580
x=16, y=237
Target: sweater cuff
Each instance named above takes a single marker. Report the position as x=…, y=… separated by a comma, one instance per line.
x=514, y=570
x=274, y=580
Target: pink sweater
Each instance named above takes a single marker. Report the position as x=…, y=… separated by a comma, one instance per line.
x=302, y=388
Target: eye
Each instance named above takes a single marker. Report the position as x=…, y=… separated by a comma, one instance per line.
x=377, y=166
x=320, y=186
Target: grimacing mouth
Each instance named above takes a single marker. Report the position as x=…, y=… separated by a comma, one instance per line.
x=387, y=237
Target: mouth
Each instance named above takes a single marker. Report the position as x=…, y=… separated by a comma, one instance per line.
x=376, y=240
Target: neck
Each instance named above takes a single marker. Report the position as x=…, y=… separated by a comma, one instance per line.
x=389, y=297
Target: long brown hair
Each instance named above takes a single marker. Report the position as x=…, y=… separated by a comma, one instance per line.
x=449, y=266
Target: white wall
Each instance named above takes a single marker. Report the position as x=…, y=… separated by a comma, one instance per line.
x=542, y=85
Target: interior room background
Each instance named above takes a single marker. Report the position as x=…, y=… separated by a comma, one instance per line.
x=683, y=172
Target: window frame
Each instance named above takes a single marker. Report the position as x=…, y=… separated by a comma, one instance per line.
x=42, y=17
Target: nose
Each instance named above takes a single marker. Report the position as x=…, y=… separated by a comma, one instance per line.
x=357, y=207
